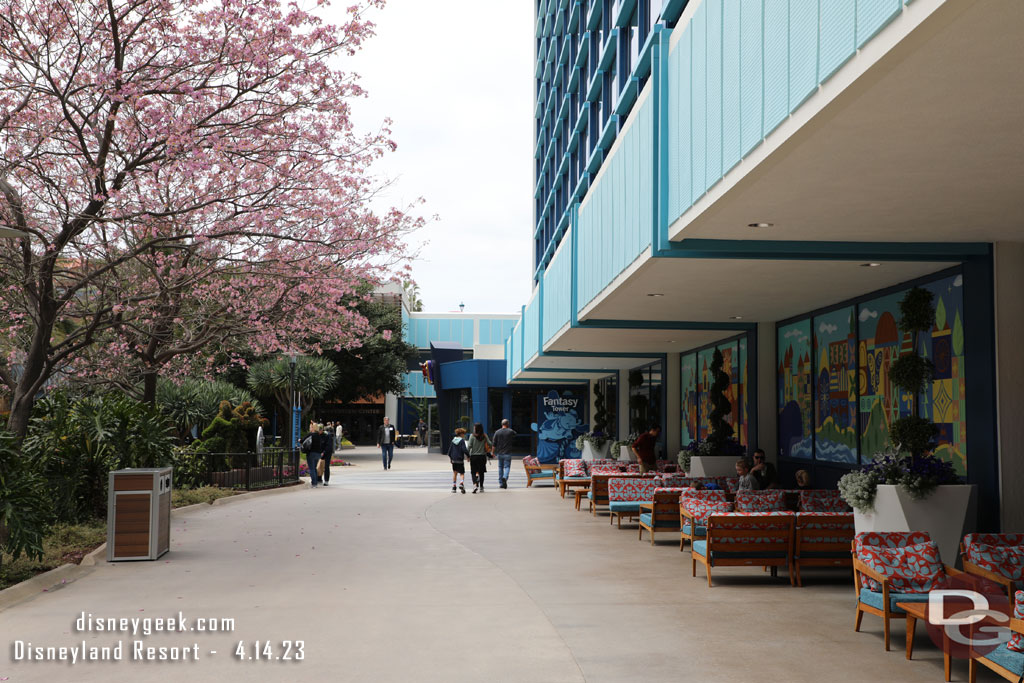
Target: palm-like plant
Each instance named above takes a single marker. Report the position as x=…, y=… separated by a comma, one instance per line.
x=195, y=402
x=314, y=377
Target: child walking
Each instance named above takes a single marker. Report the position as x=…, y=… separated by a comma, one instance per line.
x=457, y=453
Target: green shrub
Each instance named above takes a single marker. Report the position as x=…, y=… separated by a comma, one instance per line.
x=63, y=544
x=75, y=442
x=25, y=513
x=206, y=494
x=190, y=465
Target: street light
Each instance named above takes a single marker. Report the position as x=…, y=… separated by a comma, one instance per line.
x=291, y=393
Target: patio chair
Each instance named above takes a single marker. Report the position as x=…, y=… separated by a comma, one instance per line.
x=822, y=539
x=1007, y=660
x=625, y=495
x=535, y=471
x=662, y=513
x=693, y=515
x=996, y=557
x=745, y=539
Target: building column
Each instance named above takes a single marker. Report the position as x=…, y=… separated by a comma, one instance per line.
x=623, y=406
x=767, y=436
x=391, y=407
x=673, y=406
x=1009, y=283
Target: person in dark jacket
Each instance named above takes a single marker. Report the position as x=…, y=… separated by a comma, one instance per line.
x=311, y=445
x=457, y=453
x=327, y=450
x=502, y=441
x=479, y=451
x=386, y=442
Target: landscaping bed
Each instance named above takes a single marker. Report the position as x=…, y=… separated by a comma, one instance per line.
x=65, y=544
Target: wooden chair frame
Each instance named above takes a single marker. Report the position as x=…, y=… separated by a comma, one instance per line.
x=720, y=526
x=981, y=572
x=664, y=507
x=1017, y=626
x=800, y=546
x=599, y=488
x=533, y=470
x=886, y=613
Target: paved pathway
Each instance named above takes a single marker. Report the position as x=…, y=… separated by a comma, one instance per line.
x=387, y=576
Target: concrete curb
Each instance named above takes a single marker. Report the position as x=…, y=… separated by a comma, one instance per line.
x=68, y=573
x=58, y=577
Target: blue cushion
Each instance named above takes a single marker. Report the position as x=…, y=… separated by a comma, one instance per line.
x=874, y=599
x=624, y=506
x=1008, y=659
x=543, y=474
x=590, y=495
x=645, y=520
x=701, y=530
x=701, y=548
x=575, y=478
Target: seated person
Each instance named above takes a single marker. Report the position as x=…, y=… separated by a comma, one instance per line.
x=765, y=473
x=803, y=480
x=748, y=482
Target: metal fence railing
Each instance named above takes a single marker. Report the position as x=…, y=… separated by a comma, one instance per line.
x=269, y=469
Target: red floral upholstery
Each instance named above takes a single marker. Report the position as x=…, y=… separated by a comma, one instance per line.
x=822, y=500
x=885, y=539
x=674, y=480
x=771, y=500
x=605, y=469
x=825, y=522
x=910, y=569
x=631, y=489
x=758, y=521
x=1001, y=554
x=604, y=461
x=703, y=494
x=531, y=461
x=574, y=467
x=1017, y=640
x=633, y=467
x=700, y=509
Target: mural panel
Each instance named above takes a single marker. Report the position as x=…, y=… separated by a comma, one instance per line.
x=688, y=404
x=742, y=434
x=946, y=403
x=880, y=343
x=835, y=407
x=704, y=359
x=561, y=418
x=794, y=387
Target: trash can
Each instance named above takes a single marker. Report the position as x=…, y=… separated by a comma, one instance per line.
x=139, y=514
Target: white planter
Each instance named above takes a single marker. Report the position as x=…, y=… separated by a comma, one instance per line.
x=591, y=453
x=943, y=515
x=712, y=466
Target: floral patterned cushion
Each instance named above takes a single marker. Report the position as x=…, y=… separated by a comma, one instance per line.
x=771, y=500
x=633, y=467
x=886, y=539
x=631, y=489
x=1005, y=560
x=703, y=494
x=910, y=569
x=604, y=461
x=1017, y=640
x=531, y=461
x=674, y=480
x=755, y=521
x=822, y=500
x=998, y=553
x=700, y=509
x=825, y=522
x=574, y=468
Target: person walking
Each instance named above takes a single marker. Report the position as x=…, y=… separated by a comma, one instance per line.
x=327, y=451
x=421, y=429
x=339, y=436
x=457, y=453
x=503, y=451
x=311, y=447
x=386, y=442
x=643, y=448
x=479, y=451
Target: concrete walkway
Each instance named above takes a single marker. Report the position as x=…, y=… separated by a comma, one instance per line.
x=407, y=583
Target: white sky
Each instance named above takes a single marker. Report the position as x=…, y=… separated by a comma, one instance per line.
x=456, y=78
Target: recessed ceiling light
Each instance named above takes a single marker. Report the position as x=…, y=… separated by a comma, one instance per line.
x=655, y=294
x=760, y=225
x=735, y=317
x=873, y=264
x=671, y=341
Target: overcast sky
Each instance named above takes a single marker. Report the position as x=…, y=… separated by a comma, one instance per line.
x=456, y=78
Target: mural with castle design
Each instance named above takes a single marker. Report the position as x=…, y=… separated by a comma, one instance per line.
x=842, y=384
x=695, y=404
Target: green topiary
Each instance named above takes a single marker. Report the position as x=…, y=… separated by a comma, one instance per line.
x=721, y=431
x=912, y=373
x=914, y=435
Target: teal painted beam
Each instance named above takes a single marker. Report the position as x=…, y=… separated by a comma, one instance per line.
x=785, y=250
x=597, y=354
x=599, y=324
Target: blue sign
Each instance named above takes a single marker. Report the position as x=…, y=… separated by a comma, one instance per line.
x=296, y=426
x=562, y=416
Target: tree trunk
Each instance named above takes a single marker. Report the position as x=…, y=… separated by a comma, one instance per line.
x=149, y=387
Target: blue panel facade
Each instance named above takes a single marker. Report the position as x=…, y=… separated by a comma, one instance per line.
x=803, y=51
x=557, y=283
x=751, y=77
x=873, y=15
x=838, y=41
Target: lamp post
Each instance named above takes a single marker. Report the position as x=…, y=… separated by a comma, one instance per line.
x=294, y=431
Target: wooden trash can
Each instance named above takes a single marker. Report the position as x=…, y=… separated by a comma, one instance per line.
x=139, y=514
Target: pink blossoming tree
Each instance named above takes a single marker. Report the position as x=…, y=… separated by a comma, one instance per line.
x=190, y=180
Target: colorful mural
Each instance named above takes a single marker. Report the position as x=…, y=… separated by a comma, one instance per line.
x=688, y=406
x=744, y=400
x=881, y=342
x=794, y=386
x=835, y=407
x=946, y=404
x=695, y=404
